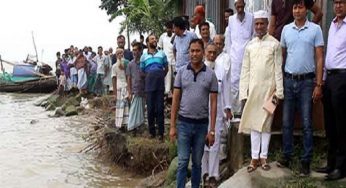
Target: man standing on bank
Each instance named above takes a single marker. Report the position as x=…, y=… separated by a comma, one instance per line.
x=334, y=99
x=135, y=85
x=194, y=84
x=222, y=64
x=181, y=42
x=302, y=48
x=154, y=63
x=167, y=47
x=261, y=77
x=239, y=33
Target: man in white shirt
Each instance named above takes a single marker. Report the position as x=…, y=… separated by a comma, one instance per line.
x=166, y=45
x=101, y=61
x=73, y=70
x=228, y=13
x=239, y=33
x=223, y=73
x=221, y=61
x=107, y=81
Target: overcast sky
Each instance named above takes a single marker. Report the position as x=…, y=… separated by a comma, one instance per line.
x=56, y=24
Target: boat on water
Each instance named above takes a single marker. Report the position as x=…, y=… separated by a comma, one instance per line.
x=27, y=78
x=27, y=84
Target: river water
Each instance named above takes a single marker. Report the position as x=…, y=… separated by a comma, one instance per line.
x=38, y=151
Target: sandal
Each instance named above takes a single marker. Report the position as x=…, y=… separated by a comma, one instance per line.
x=252, y=166
x=264, y=165
x=212, y=182
x=205, y=181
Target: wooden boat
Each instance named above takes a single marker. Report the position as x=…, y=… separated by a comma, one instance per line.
x=45, y=84
x=25, y=79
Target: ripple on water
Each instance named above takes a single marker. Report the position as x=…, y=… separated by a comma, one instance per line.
x=46, y=153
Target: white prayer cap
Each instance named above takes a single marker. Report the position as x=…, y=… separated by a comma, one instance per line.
x=261, y=14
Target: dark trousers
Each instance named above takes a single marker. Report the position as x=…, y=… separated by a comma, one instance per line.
x=334, y=101
x=155, y=110
x=297, y=97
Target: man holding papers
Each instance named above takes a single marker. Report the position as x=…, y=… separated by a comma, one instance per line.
x=260, y=80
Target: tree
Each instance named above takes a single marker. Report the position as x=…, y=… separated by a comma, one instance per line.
x=141, y=15
x=112, y=6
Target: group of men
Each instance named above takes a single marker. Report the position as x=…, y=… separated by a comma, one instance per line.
x=218, y=78
x=266, y=58
x=86, y=70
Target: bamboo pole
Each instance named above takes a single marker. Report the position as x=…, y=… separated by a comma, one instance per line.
x=33, y=40
x=2, y=66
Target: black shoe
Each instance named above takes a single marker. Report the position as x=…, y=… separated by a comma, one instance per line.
x=334, y=175
x=134, y=132
x=284, y=163
x=304, y=169
x=152, y=136
x=325, y=170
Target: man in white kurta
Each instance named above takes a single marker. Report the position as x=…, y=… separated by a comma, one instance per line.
x=222, y=63
x=261, y=76
x=239, y=33
x=167, y=47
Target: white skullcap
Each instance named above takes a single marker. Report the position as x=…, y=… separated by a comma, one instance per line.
x=261, y=14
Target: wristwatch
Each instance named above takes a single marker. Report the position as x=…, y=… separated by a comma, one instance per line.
x=318, y=85
x=212, y=133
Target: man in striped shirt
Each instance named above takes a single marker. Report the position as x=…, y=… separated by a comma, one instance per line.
x=154, y=64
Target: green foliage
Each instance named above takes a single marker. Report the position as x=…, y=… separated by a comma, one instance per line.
x=141, y=15
x=112, y=6
x=173, y=150
x=171, y=172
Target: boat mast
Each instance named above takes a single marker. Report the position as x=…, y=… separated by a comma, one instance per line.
x=33, y=40
x=2, y=66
